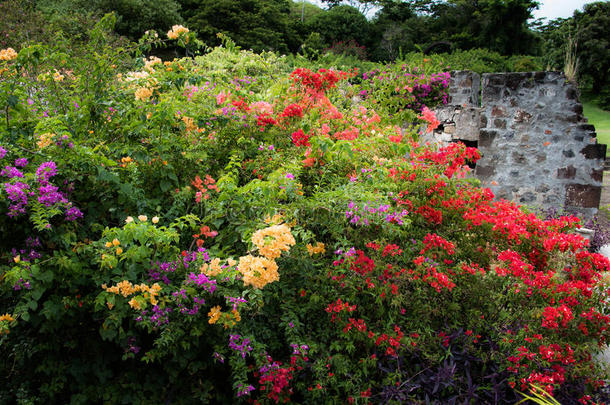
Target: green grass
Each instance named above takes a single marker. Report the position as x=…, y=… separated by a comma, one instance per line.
x=601, y=120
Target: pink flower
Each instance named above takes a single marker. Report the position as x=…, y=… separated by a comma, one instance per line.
x=428, y=116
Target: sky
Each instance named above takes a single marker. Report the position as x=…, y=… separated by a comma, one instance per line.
x=552, y=9
x=549, y=9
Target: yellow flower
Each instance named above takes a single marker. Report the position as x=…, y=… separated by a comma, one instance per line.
x=119, y=251
x=312, y=250
x=115, y=242
x=134, y=304
x=110, y=305
x=17, y=258
x=143, y=218
x=148, y=64
x=258, y=271
x=273, y=240
x=126, y=288
x=214, y=314
x=155, y=220
x=176, y=31
x=236, y=315
x=8, y=54
x=58, y=77
x=143, y=93
x=6, y=317
x=44, y=140
x=108, y=244
x=129, y=220
x=213, y=269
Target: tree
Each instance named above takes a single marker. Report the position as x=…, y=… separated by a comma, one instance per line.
x=341, y=23
x=134, y=17
x=362, y=5
x=593, y=42
x=253, y=24
x=498, y=25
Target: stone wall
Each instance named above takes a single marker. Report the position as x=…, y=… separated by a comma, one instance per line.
x=537, y=148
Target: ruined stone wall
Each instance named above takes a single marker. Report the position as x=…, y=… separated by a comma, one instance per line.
x=537, y=148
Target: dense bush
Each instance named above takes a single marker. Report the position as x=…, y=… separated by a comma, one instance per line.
x=225, y=228
x=477, y=60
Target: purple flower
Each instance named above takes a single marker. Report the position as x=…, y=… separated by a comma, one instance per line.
x=240, y=344
x=2, y=152
x=219, y=357
x=235, y=301
x=21, y=162
x=290, y=176
x=11, y=172
x=202, y=280
x=17, y=194
x=45, y=171
x=73, y=213
x=50, y=195
x=244, y=391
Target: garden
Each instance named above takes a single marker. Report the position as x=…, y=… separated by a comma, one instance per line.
x=233, y=227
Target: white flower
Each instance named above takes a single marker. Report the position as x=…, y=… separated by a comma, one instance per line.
x=128, y=220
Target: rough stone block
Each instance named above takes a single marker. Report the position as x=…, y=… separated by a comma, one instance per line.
x=514, y=80
x=467, y=124
x=486, y=138
x=566, y=172
x=594, y=151
x=571, y=93
x=568, y=153
x=587, y=127
x=519, y=158
x=497, y=111
x=498, y=123
x=522, y=116
x=583, y=195
x=527, y=198
x=485, y=172
x=597, y=175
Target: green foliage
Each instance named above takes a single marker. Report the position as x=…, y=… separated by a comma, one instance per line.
x=593, y=50
x=205, y=221
x=341, y=23
x=252, y=24
x=477, y=60
x=134, y=17
x=587, y=31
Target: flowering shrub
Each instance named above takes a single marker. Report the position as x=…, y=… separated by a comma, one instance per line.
x=398, y=90
x=242, y=231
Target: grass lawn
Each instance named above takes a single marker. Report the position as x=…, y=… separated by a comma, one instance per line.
x=601, y=120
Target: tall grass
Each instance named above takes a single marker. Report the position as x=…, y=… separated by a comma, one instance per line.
x=570, y=67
